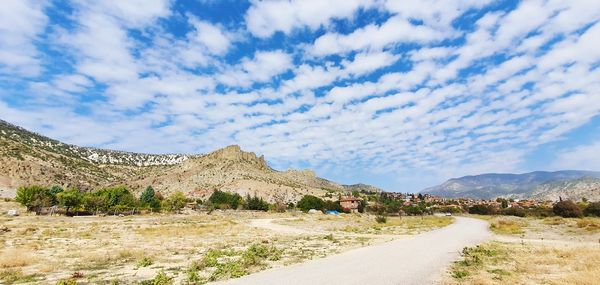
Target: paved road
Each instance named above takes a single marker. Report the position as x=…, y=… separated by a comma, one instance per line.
x=418, y=259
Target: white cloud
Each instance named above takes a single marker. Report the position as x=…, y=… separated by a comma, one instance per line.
x=264, y=18
x=22, y=22
x=583, y=157
x=365, y=63
x=210, y=36
x=263, y=67
x=375, y=37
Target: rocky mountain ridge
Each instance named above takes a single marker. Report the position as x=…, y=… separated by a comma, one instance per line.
x=572, y=184
x=27, y=158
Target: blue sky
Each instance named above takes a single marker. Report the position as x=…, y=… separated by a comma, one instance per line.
x=399, y=94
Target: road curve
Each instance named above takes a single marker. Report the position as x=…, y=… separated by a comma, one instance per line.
x=419, y=259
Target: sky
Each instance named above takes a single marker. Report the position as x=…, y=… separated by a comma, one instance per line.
x=399, y=94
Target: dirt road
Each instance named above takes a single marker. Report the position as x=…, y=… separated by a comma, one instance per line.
x=418, y=259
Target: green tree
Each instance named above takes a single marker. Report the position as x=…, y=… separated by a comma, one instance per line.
x=567, y=209
x=175, y=202
x=93, y=203
x=225, y=200
x=257, y=204
x=35, y=197
x=117, y=199
x=310, y=202
x=148, y=199
x=70, y=199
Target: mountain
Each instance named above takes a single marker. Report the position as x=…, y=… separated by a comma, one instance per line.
x=574, y=189
x=363, y=188
x=27, y=158
x=528, y=185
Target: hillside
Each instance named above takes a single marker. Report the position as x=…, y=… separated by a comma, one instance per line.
x=27, y=158
x=539, y=184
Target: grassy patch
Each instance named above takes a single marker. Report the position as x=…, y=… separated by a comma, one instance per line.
x=590, y=224
x=505, y=226
x=12, y=276
x=511, y=263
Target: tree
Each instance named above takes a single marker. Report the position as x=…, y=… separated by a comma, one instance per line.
x=117, y=199
x=70, y=199
x=35, y=197
x=310, y=202
x=593, y=209
x=257, y=204
x=482, y=210
x=225, y=200
x=92, y=203
x=503, y=203
x=567, y=209
x=176, y=201
x=148, y=199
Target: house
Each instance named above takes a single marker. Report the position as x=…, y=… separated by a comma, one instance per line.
x=350, y=204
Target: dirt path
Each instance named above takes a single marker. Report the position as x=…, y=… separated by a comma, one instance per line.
x=419, y=259
x=270, y=225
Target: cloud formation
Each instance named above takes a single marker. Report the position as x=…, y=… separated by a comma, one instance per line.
x=354, y=89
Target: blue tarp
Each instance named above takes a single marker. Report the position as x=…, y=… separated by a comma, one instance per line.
x=332, y=212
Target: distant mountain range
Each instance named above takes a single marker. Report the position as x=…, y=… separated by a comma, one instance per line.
x=27, y=158
x=568, y=184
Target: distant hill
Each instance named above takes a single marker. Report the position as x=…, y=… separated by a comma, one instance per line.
x=27, y=158
x=538, y=184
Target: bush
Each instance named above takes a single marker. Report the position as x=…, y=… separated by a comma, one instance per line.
x=35, y=197
x=482, y=210
x=567, y=209
x=148, y=199
x=381, y=219
x=257, y=204
x=310, y=202
x=332, y=206
x=113, y=199
x=593, y=209
x=225, y=200
x=70, y=199
x=175, y=202
x=513, y=211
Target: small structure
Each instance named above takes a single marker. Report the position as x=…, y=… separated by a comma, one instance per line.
x=350, y=204
x=12, y=212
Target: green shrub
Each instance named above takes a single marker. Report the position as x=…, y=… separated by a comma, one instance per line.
x=482, y=210
x=161, y=278
x=593, y=209
x=513, y=211
x=567, y=209
x=144, y=262
x=148, y=199
x=257, y=204
x=381, y=219
x=175, y=202
x=309, y=202
x=35, y=197
x=225, y=200
x=70, y=199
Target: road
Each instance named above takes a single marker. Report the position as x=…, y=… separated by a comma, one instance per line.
x=419, y=259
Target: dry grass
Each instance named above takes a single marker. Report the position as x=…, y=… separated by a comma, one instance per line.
x=508, y=226
x=119, y=248
x=11, y=258
x=510, y=263
x=589, y=224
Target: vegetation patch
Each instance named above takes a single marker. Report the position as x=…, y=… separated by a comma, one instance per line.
x=506, y=226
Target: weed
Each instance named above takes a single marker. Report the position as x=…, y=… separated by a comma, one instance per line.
x=161, y=278
x=144, y=262
x=11, y=276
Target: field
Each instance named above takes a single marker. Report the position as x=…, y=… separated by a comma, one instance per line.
x=533, y=251
x=191, y=248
